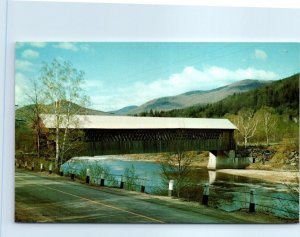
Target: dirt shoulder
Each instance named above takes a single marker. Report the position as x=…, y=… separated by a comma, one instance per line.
x=270, y=176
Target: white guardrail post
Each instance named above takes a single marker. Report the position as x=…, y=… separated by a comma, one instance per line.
x=171, y=188
x=87, y=179
x=205, y=194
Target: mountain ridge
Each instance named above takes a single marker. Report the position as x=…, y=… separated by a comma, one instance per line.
x=196, y=97
x=20, y=112
x=123, y=110
x=281, y=95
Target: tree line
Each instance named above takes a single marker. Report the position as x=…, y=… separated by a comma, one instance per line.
x=263, y=115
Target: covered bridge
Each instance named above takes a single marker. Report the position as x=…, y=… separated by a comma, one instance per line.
x=111, y=135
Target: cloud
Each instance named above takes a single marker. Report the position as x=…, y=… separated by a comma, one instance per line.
x=19, y=45
x=284, y=51
x=85, y=47
x=260, y=54
x=24, y=65
x=38, y=44
x=93, y=85
x=74, y=46
x=32, y=44
x=67, y=46
x=21, y=89
x=190, y=78
x=193, y=79
x=30, y=54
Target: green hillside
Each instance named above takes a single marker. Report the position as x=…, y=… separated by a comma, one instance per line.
x=49, y=109
x=282, y=95
x=273, y=110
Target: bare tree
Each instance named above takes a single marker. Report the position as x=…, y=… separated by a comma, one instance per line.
x=74, y=95
x=177, y=166
x=31, y=113
x=66, y=98
x=268, y=121
x=247, y=124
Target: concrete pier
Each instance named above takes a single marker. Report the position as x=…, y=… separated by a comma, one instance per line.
x=226, y=160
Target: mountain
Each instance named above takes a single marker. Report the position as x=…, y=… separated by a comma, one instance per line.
x=199, y=97
x=23, y=111
x=282, y=95
x=124, y=110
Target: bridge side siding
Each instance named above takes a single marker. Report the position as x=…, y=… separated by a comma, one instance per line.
x=131, y=141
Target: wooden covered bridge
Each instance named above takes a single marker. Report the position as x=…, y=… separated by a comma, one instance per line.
x=112, y=135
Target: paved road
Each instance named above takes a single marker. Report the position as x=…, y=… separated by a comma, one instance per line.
x=50, y=198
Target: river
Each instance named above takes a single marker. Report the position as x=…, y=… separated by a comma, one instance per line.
x=227, y=192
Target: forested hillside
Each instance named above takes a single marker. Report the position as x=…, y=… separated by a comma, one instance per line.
x=272, y=112
x=283, y=95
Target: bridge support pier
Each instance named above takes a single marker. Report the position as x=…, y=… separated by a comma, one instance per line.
x=226, y=160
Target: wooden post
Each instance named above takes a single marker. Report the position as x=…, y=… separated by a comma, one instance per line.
x=205, y=194
x=41, y=167
x=171, y=188
x=72, y=175
x=252, y=201
x=87, y=179
x=142, y=187
x=61, y=172
x=32, y=166
x=122, y=183
x=102, y=180
x=50, y=168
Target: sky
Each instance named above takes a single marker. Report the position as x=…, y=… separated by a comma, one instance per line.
x=122, y=74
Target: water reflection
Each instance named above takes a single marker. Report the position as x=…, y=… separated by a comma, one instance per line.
x=227, y=192
x=212, y=175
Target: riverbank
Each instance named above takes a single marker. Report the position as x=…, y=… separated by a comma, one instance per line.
x=270, y=176
x=199, y=159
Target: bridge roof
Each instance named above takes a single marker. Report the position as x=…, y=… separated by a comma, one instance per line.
x=128, y=122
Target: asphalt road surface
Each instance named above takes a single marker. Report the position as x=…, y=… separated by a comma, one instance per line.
x=40, y=197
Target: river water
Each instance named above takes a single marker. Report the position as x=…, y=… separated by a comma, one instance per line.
x=227, y=192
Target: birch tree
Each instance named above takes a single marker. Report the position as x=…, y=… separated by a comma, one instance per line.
x=66, y=97
x=268, y=121
x=247, y=124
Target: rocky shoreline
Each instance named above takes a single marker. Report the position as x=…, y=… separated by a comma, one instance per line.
x=267, y=175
